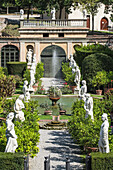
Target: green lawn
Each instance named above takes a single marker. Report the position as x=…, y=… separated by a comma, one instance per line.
x=49, y=117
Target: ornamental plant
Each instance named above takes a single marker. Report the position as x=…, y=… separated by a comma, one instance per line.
x=66, y=89
x=39, y=73
x=27, y=131
x=7, y=86
x=85, y=131
x=67, y=73
x=100, y=79
x=54, y=91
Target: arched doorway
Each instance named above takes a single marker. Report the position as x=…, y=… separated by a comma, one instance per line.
x=52, y=57
x=104, y=24
x=9, y=53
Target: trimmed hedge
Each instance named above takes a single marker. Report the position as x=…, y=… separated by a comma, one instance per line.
x=16, y=68
x=11, y=161
x=94, y=63
x=101, y=161
x=84, y=51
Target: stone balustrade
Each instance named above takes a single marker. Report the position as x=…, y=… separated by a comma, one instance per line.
x=41, y=23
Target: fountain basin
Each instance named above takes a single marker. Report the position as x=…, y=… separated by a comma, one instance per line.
x=54, y=100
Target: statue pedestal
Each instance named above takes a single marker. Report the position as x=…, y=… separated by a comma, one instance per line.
x=76, y=91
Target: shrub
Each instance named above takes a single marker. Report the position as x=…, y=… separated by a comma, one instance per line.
x=102, y=161
x=66, y=89
x=85, y=131
x=16, y=68
x=54, y=91
x=40, y=90
x=67, y=73
x=99, y=79
x=1, y=72
x=7, y=86
x=84, y=51
x=11, y=161
x=27, y=131
x=39, y=71
x=18, y=80
x=94, y=63
x=26, y=75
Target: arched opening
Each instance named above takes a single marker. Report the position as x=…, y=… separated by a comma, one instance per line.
x=52, y=57
x=9, y=53
x=104, y=24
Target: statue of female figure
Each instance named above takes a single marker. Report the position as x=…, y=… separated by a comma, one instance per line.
x=29, y=57
x=83, y=90
x=103, y=141
x=26, y=91
x=72, y=64
x=10, y=134
x=77, y=78
x=88, y=106
x=18, y=106
x=32, y=75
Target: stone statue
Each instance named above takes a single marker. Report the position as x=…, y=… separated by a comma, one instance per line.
x=29, y=57
x=53, y=13
x=103, y=141
x=77, y=78
x=88, y=106
x=34, y=62
x=83, y=90
x=32, y=75
x=18, y=106
x=72, y=64
x=10, y=134
x=26, y=91
x=21, y=14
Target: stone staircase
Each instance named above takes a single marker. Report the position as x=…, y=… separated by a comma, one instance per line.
x=47, y=82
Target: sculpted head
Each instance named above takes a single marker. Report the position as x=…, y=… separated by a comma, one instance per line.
x=21, y=97
x=10, y=116
x=26, y=82
x=104, y=117
x=87, y=95
x=84, y=82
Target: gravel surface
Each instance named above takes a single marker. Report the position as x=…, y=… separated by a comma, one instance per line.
x=59, y=145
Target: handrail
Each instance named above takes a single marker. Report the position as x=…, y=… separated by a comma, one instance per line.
x=40, y=23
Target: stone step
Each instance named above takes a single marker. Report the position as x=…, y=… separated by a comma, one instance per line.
x=48, y=82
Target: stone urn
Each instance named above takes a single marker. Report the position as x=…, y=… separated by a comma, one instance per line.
x=54, y=100
x=48, y=112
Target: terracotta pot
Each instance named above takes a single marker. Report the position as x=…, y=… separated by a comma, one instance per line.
x=99, y=92
x=47, y=112
x=73, y=88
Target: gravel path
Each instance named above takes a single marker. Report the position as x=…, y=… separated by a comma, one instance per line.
x=59, y=145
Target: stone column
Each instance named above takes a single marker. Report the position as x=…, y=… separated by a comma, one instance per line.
x=22, y=52
x=37, y=51
x=69, y=49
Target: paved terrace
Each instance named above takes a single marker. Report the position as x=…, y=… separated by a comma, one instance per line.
x=59, y=145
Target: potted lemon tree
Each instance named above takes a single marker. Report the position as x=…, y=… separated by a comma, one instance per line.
x=98, y=80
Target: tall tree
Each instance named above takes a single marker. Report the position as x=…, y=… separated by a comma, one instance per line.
x=91, y=6
x=60, y=4
x=108, y=7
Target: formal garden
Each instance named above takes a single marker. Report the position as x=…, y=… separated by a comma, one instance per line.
x=96, y=66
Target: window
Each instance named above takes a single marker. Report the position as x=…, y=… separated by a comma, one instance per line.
x=61, y=34
x=9, y=53
x=45, y=34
